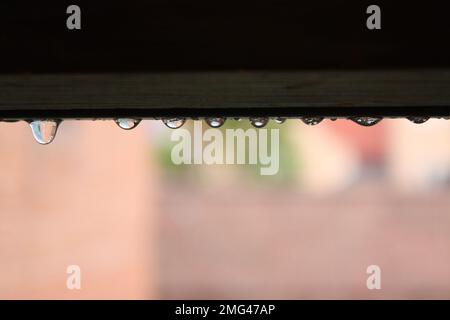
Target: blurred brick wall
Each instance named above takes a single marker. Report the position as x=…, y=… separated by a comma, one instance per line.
x=258, y=243
x=83, y=200
x=315, y=238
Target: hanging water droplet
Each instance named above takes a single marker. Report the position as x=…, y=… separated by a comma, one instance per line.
x=333, y=119
x=418, y=120
x=237, y=119
x=259, y=122
x=312, y=121
x=127, y=124
x=280, y=120
x=174, y=123
x=366, y=121
x=44, y=131
x=215, y=122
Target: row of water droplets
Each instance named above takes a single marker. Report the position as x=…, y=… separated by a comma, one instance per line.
x=261, y=122
x=44, y=131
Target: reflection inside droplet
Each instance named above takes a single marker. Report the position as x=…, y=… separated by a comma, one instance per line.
x=127, y=124
x=312, y=121
x=259, y=122
x=418, y=120
x=44, y=131
x=366, y=121
x=174, y=123
x=215, y=122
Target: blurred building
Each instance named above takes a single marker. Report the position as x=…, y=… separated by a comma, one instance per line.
x=83, y=200
x=347, y=197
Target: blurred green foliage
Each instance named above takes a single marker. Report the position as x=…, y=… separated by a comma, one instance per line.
x=288, y=159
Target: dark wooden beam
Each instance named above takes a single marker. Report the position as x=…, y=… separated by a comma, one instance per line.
x=198, y=94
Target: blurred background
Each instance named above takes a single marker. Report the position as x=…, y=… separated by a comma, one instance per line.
x=112, y=202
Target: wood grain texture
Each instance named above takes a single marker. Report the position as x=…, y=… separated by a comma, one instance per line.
x=306, y=93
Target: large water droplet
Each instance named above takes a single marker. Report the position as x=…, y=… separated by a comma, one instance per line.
x=312, y=121
x=127, y=124
x=366, y=121
x=174, y=123
x=259, y=122
x=280, y=120
x=418, y=120
x=44, y=131
x=215, y=122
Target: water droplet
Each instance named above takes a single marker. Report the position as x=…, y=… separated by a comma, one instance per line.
x=44, y=131
x=333, y=119
x=312, y=121
x=237, y=119
x=418, y=120
x=259, y=122
x=127, y=124
x=280, y=120
x=174, y=123
x=366, y=121
x=215, y=122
